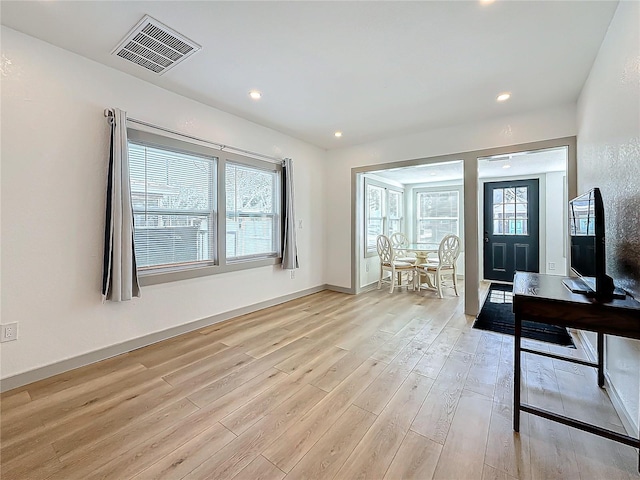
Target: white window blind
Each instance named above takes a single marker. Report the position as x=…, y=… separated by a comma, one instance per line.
x=173, y=196
x=437, y=215
x=252, y=218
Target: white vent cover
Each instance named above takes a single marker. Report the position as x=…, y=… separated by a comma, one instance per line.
x=155, y=46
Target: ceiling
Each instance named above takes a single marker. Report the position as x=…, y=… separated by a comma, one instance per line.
x=369, y=69
x=427, y=173
x=520, y=164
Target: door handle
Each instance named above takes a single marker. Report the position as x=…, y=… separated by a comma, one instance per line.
x=486, y=237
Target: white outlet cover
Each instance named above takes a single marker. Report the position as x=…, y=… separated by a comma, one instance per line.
x=9, y=332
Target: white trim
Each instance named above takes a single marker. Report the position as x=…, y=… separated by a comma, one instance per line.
x=47, y=371
x=336, y=288
x=630, y=426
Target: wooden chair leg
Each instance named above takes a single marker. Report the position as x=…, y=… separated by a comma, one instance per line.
x=392, y=281
x=455, y=283
x=380, y=279
x=439, y=284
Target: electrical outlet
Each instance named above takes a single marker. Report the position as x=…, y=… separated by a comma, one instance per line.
x=293, y=274
x=9, y=332
x=552, y=266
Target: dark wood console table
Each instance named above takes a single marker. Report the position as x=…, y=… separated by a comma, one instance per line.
x=544, y=299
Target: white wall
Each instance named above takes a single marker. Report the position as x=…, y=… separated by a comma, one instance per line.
x=556, y=224
x=54, y=163
x=609, y=158
x=535, y=126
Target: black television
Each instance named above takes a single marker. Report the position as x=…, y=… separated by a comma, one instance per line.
x=588, y=256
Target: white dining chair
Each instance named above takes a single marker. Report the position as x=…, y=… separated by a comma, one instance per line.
x=448, y=253
x=388, y=263
x=399, y=242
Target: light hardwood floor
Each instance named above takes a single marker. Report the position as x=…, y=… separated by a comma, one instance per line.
x=376, y=386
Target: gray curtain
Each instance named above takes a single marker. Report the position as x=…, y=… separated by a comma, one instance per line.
x=289, y=246
x=119, y=277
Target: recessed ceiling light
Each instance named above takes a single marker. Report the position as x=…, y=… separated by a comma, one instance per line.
x=486, y=2
x=506, y=166
x=338, y=134
x=503, y=97
x=255, y=94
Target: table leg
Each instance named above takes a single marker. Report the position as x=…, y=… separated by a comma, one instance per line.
x=516, y=374
x=421, y=257
x=601, y=360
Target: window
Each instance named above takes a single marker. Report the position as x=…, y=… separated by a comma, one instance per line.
x=395, y=212
x=253, y=223
x=200, y=211
x=375, y=216
x=383, y=213
x=437, y=215
x=173, y=206
x=510, y=211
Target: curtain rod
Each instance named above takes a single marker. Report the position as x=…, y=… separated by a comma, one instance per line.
x=109, y=113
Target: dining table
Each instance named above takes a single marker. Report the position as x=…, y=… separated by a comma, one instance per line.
x=422, y=251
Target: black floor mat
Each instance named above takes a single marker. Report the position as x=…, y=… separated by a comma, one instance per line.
x=497, y=316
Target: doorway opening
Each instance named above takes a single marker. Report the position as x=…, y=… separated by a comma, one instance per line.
x=522, y=209
x=425, y=202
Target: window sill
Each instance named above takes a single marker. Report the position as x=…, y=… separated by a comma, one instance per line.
x=156, y=278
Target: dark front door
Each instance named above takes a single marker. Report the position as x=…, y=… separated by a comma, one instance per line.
x=511, y=228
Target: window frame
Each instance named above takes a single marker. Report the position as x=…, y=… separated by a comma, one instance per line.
x=439, y=189
x=373, y=252
x=219, y=265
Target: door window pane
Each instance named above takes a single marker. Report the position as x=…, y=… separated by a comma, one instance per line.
x=521, y=194
x=510, y=207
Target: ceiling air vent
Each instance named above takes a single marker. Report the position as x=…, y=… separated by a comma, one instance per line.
x=155, y=46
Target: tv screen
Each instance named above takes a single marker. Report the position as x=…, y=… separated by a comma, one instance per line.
x=583, y=235
x=587, y=225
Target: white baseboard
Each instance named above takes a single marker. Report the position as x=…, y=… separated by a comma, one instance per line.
x=629, y=424
x=335, y=288
x=47, y=371
x=369, y=287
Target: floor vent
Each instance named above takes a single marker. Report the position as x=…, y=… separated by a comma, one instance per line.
x=155, y=46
